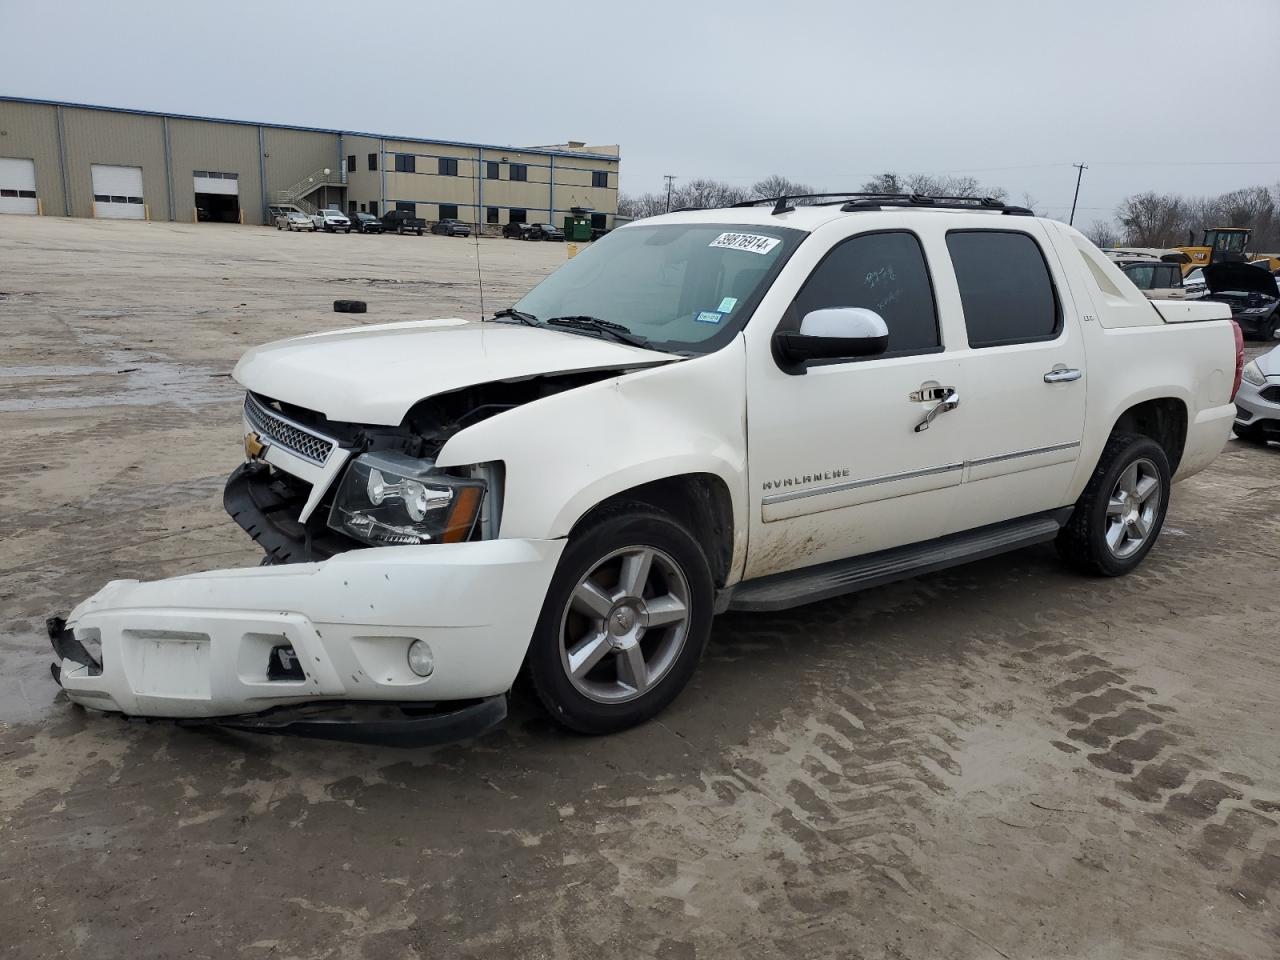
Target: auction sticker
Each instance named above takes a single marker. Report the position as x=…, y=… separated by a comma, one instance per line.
x=709, y=316
x=751, y=242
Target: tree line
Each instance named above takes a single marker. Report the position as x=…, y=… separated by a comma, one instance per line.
x=1146, y=219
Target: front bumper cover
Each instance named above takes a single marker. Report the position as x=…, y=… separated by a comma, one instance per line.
x=198, y=647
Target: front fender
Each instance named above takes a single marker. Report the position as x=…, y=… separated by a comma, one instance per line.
x=566, y=453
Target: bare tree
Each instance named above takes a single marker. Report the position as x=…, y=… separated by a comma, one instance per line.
x=779, y=186
x=1153, y=219
x=932, y=186
x=1102, y=233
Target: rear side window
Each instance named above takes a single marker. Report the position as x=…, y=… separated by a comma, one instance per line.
x=884, y=272
x=1005, y=288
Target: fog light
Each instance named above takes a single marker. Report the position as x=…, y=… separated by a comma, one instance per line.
x=421, y=661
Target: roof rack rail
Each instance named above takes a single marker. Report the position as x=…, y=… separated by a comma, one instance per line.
x=850, y=202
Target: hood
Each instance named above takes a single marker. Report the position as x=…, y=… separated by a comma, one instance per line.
x=374, y=374
x=1269, y=363
x=1242, y=277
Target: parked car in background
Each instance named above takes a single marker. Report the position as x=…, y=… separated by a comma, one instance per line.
x=1193, y=284
x=424, y=484
x=516, y=231
x=451, y=228
x=1155, y=278
x=331, y=221
x=545, y=231
x=1252, y=294
x=1258, y=401
x=401, y=222
x=366, y=223
x=294, y=220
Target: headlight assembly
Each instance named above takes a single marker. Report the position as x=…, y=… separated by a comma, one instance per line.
x=388, y=499
x=1253, y=373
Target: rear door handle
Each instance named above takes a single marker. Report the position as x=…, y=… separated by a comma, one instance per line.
x=1061, y=374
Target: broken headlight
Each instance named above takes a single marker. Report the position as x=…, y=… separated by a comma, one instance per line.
x=388, y=499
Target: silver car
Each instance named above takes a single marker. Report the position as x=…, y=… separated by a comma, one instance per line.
x=294, y=220
x=1258, y=402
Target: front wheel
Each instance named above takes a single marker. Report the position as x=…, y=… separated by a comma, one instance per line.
x=624, y=623
x=1119, y=516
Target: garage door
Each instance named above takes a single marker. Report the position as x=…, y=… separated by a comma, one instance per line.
x=212, y=181
x=117, y=192
x=17, y=185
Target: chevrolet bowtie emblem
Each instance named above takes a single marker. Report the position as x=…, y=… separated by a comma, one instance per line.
x=253, y=446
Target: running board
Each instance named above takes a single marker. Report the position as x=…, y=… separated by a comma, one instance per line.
x=782, y=591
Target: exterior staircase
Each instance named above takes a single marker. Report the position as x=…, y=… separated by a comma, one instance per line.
x=297, y=194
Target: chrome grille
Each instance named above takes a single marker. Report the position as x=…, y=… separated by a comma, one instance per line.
x=274, y=428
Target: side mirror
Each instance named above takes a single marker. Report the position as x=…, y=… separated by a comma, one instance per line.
x=836, y=333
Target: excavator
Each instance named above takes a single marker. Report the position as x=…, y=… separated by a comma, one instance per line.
x=1222, y=244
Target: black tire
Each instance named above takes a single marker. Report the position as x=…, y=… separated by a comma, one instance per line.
x=350, y=306
x=1273, y=327
x=615, y=529
x=1083, y=541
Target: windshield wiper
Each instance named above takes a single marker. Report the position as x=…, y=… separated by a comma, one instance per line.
x=528, y=319
x=607, y=327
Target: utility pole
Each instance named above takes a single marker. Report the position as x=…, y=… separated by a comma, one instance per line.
x=670, y=177
x=1080, y=169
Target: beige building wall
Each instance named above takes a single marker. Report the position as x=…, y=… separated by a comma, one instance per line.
x=170, y=149
x=127, y=139
x=224, y=147
x=29, y=131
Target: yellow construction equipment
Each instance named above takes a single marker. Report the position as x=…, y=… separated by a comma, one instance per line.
x=1221, y=244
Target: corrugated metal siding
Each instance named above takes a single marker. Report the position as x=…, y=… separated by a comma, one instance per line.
x=93, y=136
x=224, y=147
x=30, y=131
x=295, y=154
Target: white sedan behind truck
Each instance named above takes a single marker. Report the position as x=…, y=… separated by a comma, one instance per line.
x=746, y=408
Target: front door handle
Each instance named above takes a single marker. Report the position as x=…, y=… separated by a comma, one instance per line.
x=1061, y=374
x=948, y=402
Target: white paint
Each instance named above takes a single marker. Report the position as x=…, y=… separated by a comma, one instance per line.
x=733, y=414
x=124, y=186
x=219, y=185
x=17, y=174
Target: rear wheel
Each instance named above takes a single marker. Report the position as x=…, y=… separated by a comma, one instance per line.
x=624, y=623
x=1119, y=516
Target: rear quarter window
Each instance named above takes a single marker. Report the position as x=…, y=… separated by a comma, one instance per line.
x=1005, y=287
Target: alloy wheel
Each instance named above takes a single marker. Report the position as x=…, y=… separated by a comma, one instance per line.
x=625, y=624
x=1133, y=508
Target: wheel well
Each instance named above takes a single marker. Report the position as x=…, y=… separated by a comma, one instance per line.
x=700, y=501
x=1164, y=420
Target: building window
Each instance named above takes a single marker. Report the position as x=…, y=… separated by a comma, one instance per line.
x=448, y=211
x=351, y=163
x=448, y=167
x=516, y=216
x=491, y=213
x=373, y=161
x=598, y=221
x=373, y=207
x=406, y=163
x=519, y=171
x=492, y=170
x=407, y=206
x=351, y=206
x=600, y=178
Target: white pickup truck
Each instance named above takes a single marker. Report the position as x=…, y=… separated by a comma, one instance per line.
x=735, y=409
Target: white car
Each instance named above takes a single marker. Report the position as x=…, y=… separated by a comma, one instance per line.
x=732, y=409
x=1258, y=402
x=331, y=221
x=294, y=220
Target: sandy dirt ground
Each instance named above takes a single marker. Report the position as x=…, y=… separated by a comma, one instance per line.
x=1005, y=760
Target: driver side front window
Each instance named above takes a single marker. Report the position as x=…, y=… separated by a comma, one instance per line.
x=884, y=272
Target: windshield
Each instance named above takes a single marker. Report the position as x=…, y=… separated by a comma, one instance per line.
x=685, y=287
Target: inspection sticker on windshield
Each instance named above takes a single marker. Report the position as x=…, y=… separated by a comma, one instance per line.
x=751, y=242
x=709, y=316
x=727, y=304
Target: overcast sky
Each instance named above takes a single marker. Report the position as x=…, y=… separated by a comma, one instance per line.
x=1169, y=95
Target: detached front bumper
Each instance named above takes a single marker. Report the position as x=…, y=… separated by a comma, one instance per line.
x=209, y=646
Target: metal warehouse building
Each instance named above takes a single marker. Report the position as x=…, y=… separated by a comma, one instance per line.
x=65, y=159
